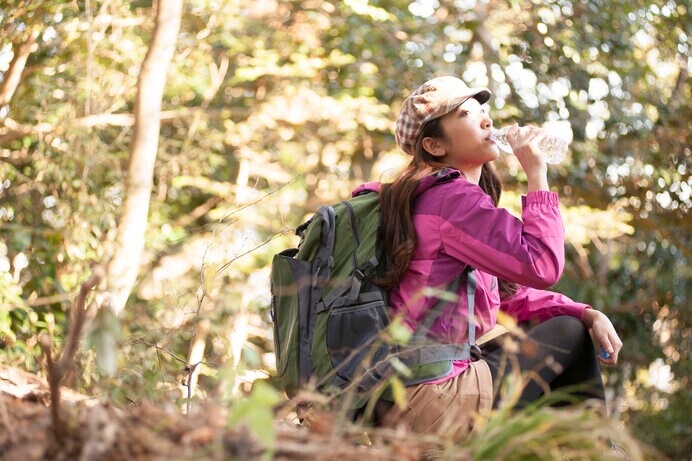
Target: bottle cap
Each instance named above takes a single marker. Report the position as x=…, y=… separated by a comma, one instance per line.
x=605, y=354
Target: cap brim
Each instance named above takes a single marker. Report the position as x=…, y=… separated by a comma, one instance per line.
x=482, y=95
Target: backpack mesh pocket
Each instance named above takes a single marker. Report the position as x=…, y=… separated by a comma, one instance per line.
x=354, y=339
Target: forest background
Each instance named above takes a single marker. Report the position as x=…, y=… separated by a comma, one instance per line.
x=271, y=108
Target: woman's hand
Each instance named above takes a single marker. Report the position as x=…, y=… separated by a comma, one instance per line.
x=605, y=334
x=524, y=141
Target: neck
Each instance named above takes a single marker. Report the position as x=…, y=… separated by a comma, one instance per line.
x=472, y=174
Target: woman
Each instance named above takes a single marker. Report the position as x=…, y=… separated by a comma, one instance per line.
x=440, y=215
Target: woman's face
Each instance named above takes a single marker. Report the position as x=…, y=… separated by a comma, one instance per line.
x=466, y=145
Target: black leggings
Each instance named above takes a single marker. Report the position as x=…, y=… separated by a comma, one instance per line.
x=559, y=351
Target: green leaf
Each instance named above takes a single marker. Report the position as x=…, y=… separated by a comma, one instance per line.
x=256, y=412
x=400, y=366
x=6, y=326
x=399, y=333
x=399, y=393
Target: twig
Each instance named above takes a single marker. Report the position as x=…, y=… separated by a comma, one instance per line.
x=76, y=323
x=57, y=369
x=225, y=266
x=158, y=356
x=187, y=382
x=158, y=360
x=44, y=300
x=159, y=348
x=271, y=192
x=189, y=367
x=54, y=384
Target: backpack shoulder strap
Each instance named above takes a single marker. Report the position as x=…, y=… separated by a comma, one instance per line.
x=436, y=310
x=321, y=268
x=360, y=274
x=327, y=235
x=471, y=300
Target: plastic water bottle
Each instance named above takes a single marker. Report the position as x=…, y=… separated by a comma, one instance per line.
x=553, y=148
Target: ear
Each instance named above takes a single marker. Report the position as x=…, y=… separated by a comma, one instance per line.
x=434, y=146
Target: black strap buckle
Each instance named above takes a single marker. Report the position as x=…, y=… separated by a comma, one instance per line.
x=475, y=353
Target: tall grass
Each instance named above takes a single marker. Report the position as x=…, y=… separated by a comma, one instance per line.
x=541, y=431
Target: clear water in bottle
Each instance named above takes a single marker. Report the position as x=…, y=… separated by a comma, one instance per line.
x=553, y=148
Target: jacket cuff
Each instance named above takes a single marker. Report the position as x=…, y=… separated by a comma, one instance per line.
x=540, y=197
x=584, y=310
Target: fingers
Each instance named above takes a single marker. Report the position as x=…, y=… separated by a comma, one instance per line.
x=525, y=144
x=616, y=344
x=523, y=135
x=611, y=344
x=606, y=336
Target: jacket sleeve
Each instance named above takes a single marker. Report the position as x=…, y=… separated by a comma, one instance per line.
x=529, y=251
x=531, y=304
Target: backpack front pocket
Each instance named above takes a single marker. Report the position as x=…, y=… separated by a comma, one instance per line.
x=354, y=338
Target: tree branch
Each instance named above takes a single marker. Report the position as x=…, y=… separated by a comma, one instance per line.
x=76, y=323
x=57, y=370
x=13, y=76
x=490, y=55
x=482, y=36
x=14, y=130
x=676, y=96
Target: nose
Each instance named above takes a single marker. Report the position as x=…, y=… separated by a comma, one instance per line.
x=486, y=122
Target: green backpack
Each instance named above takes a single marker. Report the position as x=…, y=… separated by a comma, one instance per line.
x=329, y=316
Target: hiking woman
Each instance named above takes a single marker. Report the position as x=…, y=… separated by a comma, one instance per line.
x=440, y=216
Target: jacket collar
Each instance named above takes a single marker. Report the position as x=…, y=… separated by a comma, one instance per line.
x=442, y=176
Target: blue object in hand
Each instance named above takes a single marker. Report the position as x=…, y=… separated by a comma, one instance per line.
x=605, y=354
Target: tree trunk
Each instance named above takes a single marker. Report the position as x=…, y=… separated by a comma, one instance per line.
x=13, y=75
x=123, y=268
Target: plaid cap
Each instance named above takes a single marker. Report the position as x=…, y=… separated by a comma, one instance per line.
x=433, y=99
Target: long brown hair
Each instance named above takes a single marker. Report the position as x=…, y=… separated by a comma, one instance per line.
x=396, y=204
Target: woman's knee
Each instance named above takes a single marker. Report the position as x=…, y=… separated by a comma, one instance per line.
x=568, y=329
x=567, y=323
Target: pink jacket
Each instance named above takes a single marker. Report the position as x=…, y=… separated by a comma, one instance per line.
x=457, y=224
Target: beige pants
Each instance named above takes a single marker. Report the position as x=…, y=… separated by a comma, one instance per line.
x=448, y=409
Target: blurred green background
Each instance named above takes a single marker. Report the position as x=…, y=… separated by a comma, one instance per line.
x=274, y=107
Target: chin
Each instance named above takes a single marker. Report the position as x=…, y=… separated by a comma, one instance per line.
x=494, y=156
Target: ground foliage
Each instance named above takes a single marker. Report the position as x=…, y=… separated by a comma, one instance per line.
x=275, y=107
x=98, y=430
